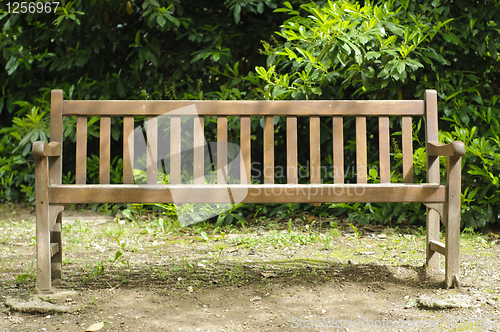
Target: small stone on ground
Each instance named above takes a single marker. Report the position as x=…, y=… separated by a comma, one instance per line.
x=447, y=301
x=45, y=303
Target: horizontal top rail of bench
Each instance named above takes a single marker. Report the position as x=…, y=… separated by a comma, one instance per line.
x=247, y=193
x=237, y=108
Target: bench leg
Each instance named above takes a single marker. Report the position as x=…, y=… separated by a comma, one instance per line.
x=55, y=237
x=433, y=225
x=452, y=251
x=43, y=279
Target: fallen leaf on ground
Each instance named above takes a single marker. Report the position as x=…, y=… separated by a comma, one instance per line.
x=268, y=274
x=95, y=327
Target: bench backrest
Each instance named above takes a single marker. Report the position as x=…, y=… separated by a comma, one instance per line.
x=407, y=109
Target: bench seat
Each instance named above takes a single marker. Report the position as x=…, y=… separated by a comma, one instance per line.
x=252, y=193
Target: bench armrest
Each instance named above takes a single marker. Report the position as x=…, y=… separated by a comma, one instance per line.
x=42, y=149
x=453, y=149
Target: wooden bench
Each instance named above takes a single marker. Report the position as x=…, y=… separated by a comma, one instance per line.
x=442, y=201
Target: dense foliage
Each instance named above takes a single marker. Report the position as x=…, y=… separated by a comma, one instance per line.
x=171, y=49
x=397, y=50
x=118, y=50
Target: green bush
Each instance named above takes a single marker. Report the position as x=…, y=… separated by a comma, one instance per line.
x=172, y=49
x=396, y=50
x=117, y=49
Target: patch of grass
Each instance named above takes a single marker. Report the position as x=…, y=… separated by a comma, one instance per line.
x=76, y=232
x=277, y=240
x=5, y=238
x=26, y=278
x=235, y=275
x=328, y=236
x=93, y=271
x=357, y=234
x=114, y=231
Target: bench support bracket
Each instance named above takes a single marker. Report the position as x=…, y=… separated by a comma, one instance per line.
x=439, y=208
x=55, y=220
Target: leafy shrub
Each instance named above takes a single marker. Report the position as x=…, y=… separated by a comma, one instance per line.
x=152, y=49
x=170, y=49
x=396, y=50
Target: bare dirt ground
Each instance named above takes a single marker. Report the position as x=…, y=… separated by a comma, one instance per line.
x=265, y=277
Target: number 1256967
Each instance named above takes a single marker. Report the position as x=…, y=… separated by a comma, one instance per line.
x=32, y=7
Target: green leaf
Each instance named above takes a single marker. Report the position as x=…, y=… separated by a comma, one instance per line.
x=11, y=65
x=198, y=56
x=235, y=69
x=240, y=218
x=204, y=236
x=414, y=65
x=278, y=91
x=401, y=67
x=365, y=80
x=477, y=99
x=153, y=59
x=452, y=95
x=477, y=171
x=220, y=220
x=27, y=149
x=372, y=55
x=492, y=48
x=118, y=254
x=451, y=38
x=215, y=57
x=357, y=52
x=489, y=114
x=138, y=38
x=174, y=20
x=260, y=7
x=472, y=77
x=481, y=48
x=316, y=90
x=394, y=29
x=237, y=13
x=229, y=219
x=464, y=116
x=161, y=20
x=120, y=89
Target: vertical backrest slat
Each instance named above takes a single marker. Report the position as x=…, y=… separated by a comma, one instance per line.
x=199, y=149
x=152, y=149
x=246, y=152
x=315, y=152
x=269, y=149
x=291, y=149
x=81, y=150
x=56, y=134
x=175, y=150
x=407, y=138
x=128, y=150
x=221, y=149
x=361, y=149
x=338, y=149
x=431, y=134
x=105, y=149
x=384, y=147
